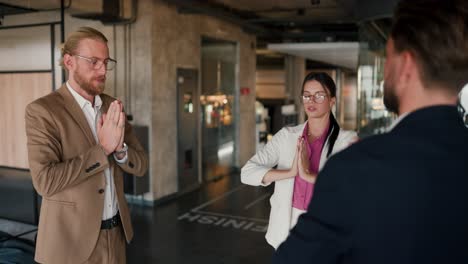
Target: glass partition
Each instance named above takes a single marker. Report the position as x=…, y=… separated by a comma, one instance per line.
x=218, y=102
x=373, y=118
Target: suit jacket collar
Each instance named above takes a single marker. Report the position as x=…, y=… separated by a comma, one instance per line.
x=81, y=100
x=396, y=122
x=428, y=119
x=73, y=108
x=299, y=129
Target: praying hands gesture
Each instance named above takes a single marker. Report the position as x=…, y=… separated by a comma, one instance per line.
x=111, y=128
x=300, y=166
x=303, y=162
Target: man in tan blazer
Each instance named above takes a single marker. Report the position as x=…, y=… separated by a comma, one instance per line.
x=79, y=145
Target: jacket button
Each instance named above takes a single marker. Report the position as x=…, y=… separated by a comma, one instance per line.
x=101, y=191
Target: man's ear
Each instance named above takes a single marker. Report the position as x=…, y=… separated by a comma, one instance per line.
x=68, y=61
x=409, y=68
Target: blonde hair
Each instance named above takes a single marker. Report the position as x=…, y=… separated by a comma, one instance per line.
x=73, y=41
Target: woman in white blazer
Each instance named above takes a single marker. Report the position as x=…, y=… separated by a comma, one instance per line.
x=294, y=151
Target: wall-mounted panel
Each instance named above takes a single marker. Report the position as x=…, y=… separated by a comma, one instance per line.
x=25, y=49
x=17, y=90
x=270, y=84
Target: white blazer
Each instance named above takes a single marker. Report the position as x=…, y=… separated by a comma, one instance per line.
x=281, y=151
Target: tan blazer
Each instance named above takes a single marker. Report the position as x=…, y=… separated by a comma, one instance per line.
x=67, y=169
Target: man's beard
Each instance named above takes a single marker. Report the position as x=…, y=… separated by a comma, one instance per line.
x=391, y=101
x=87, y=86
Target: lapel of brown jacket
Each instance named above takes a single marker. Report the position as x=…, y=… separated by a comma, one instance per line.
x=72, y=107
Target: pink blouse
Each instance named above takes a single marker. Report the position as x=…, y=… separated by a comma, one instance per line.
x=304, y=190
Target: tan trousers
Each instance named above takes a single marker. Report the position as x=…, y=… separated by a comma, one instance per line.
x=110, y=247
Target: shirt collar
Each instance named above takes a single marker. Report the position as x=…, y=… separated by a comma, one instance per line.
x=322, y=137
x=398, y=120
x=82, y=101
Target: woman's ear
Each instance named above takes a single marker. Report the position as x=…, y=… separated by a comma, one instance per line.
x=332, y=101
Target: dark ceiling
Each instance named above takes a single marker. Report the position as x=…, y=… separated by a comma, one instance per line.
x=282, y=20
x=276, y=21
x=273, y=21
x=299, y=21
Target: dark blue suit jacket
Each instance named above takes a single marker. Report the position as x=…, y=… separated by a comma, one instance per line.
x=396, y=198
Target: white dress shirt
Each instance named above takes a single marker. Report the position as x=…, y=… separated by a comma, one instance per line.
x=92, y=115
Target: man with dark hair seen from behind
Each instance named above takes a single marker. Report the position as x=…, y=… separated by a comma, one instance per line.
x=401, y=197
x=79, y=145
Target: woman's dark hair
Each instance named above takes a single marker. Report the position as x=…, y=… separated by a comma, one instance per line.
x=328, y=84
x=324, y=79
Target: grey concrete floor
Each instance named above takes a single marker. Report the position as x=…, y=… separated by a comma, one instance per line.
x=222, y=222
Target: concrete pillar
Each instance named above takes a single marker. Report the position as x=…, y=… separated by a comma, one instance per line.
x=176, y=43
x=295, y=73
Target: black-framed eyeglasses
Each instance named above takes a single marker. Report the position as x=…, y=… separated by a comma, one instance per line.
x=97, y=63
x=318, y=97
